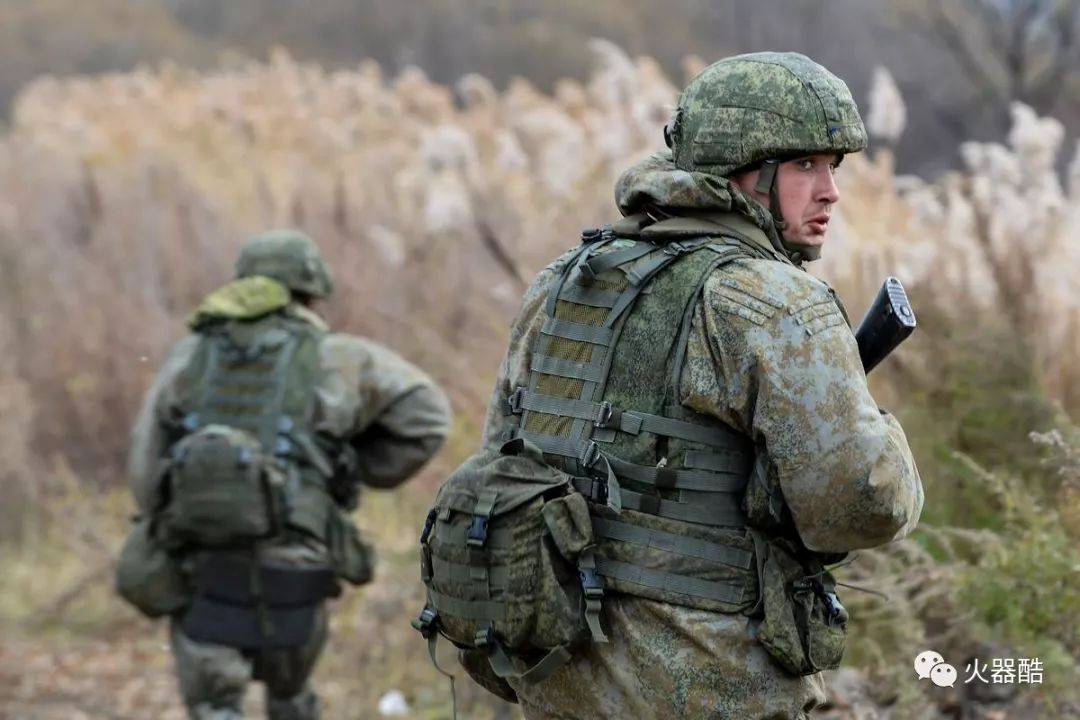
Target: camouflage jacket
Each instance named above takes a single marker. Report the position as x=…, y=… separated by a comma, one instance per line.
x=771, y=354
x=389, y=410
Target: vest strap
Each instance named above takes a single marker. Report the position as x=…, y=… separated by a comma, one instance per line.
x=678, y=479
x=659, y=580
x=548, y=365
x=721, y=462
x=490, y=610
x=670, y=542
x=593, y=265
x=604, y=415
x=497, y=577
x=577, y=331
x=721, y=511
x=592, y=297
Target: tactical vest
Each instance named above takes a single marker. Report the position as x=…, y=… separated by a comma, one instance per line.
x=602, y=404
x=259, y=376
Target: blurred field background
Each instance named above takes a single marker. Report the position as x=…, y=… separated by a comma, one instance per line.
x=440, y=153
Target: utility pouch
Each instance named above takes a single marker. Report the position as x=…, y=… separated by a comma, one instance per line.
x=351, y=559
x=148, y=576
x=804, y=627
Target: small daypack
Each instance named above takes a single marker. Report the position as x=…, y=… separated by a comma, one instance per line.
x=506, y=555
x=222, y=490
x=244, y=464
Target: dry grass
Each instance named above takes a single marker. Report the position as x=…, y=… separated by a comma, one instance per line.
x=123, y=199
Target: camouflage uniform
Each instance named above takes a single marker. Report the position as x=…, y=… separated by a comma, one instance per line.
x=769, y=353
x=387, y=409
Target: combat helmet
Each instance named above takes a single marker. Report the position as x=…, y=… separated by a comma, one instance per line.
x=290, y=257
x=759, y=109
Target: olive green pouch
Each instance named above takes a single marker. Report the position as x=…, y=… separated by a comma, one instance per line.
x=804, y=627
x=148, y=576
x=351, y=559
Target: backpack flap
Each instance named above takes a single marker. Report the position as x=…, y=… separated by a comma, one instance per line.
x=222, y=491
x=500, y=555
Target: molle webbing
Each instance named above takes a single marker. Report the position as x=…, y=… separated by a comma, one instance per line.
x=566, y=410
x=614, y=421
x=260, y=380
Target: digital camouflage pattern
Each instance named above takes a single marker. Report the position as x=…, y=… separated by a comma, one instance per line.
x=771, y=354
x=749, y=108
x=388, y=410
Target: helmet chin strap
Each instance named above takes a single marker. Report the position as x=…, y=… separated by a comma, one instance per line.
x=767, y=185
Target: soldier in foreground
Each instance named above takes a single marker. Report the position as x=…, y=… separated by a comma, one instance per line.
x=246, y=459
x=705, y=394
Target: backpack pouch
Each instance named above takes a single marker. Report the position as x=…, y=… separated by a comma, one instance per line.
x=351, y=558
x=221, y=490
x=804, y=626
x=148, y=576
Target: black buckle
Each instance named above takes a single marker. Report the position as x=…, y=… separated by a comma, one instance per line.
x=429, y=523
x=591, y=584
x=477, y=534
x=426, y=622
x=515, y=399
x=836, y=614
x=603, y=415
x=597, y=491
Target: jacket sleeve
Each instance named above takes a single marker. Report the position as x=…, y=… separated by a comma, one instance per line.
x=148, y=438
x=793, y=376
x=401, y=416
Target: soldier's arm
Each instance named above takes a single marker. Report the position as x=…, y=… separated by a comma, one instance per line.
x=148, y=439
x=792, y=369
x=402, y=417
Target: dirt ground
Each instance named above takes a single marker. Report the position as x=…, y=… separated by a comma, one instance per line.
x=126, y=677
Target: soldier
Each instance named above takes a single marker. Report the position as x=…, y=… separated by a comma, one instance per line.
x=683, y=365
x=246, y=458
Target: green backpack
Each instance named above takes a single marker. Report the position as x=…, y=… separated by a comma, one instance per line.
x=244, y=465
x=506, y=554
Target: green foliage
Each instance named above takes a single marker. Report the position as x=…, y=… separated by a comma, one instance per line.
x=977, y=394
x=1029, y=584
x=995, y=561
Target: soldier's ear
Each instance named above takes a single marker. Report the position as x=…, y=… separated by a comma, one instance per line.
x=667, y=136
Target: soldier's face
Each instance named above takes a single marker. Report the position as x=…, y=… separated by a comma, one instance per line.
x=807, y=191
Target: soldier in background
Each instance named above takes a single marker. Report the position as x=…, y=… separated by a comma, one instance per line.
x=729, y=403
x=246, y=458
